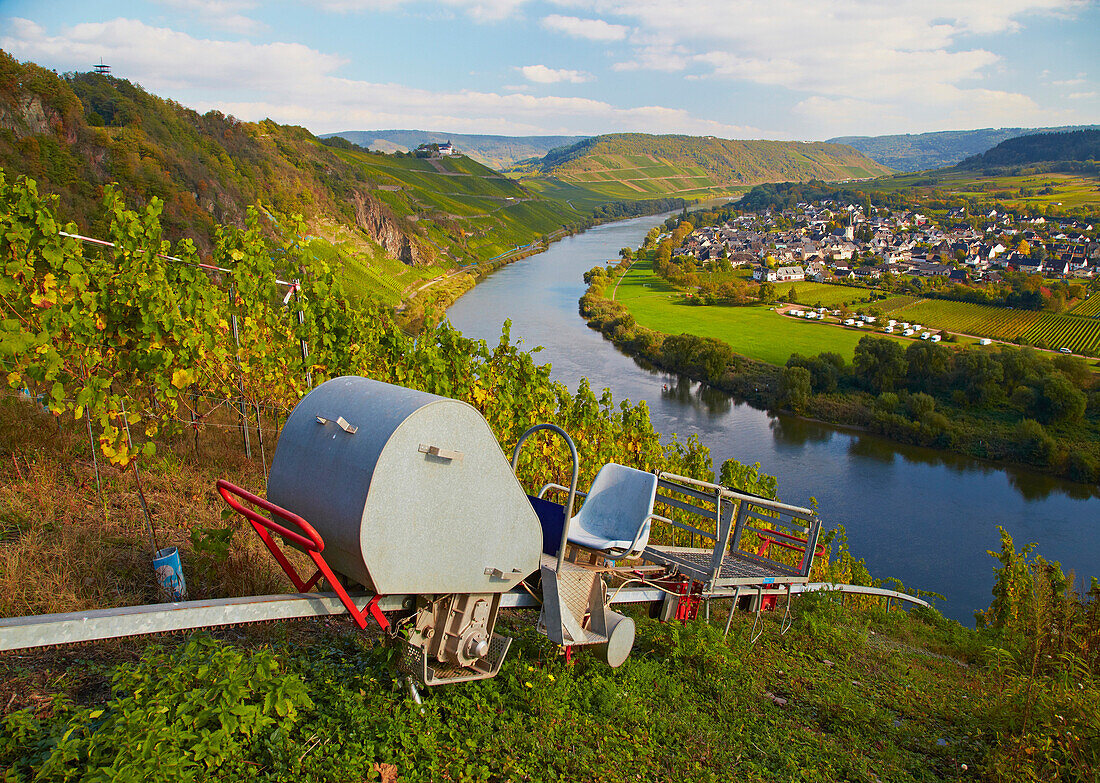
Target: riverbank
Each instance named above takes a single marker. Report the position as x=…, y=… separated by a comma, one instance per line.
x=825, y=389
x=428, y=304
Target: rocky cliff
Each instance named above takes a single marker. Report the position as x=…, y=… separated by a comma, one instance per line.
x=379, y=223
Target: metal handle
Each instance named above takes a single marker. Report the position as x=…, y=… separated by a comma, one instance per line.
x=436, y=451
x=496, y=573
x=572, y=484
x=340, y=422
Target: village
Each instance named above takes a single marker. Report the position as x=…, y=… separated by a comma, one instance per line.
x=828, y=241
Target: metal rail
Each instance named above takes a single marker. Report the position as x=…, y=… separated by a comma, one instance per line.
x=18, y=633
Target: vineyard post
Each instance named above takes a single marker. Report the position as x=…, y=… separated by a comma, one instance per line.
x=260, y=437
x=95, y=461
x=137, y=480
x=194, y=425
x=301, y=322
x=243, y=422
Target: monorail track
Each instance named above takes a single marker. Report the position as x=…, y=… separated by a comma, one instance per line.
x=22, y=633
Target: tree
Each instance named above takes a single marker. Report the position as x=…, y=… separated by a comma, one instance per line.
x=879, y=363
x=794, y=388
x=927, y=364
x=792, y=295
x=1059, y=400
x=979, y=375
x=767, y=292
x=1075, y=369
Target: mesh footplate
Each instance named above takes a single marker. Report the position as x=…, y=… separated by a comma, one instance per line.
x=733, y=571
x=416, y=663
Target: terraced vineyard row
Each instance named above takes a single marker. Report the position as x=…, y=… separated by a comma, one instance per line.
x=1080, y=335
x=891, y=304
x=1090, y=307
x=1054, y=330
x=982, y=320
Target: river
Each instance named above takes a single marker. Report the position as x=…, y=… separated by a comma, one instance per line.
x=923, y=516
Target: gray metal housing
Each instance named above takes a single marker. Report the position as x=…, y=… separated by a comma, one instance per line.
x=409, y=491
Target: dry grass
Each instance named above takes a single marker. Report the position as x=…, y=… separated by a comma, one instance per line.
x=62, y=549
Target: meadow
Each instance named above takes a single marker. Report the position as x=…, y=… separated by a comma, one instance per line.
x=755, y=331
x=823, y=294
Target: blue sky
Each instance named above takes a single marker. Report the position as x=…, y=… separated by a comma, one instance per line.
x=782, y=69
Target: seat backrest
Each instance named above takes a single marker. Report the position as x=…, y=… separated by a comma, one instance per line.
x=620, y=499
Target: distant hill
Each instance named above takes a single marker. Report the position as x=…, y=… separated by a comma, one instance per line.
x=628, y=165
x=1081, y=145
x=920, y=151
x=390, y=220
x=497, y=152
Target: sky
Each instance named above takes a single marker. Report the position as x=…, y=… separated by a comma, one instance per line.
x=778, y=69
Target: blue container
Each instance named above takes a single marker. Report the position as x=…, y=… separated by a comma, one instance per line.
x=169, y=572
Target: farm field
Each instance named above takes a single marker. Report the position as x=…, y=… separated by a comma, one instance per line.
x=757, y=332
x=823, y=294
x=893, y=303
x=1054, y=330
x=1067, y=190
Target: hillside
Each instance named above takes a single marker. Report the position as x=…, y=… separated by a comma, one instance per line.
x=497, y=152
x=920, y=151
x=390, y=222
x=1081, y=145
x=629, y=165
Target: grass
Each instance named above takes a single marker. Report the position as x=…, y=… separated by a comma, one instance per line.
x=754, y=331
x=62, y=549
x=825, y=294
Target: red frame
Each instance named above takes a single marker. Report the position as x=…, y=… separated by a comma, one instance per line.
x=772, y=537
x=308, y=539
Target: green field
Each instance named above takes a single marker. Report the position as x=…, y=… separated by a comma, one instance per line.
x=1055, y=330
x=757, y=332
x=823, y=294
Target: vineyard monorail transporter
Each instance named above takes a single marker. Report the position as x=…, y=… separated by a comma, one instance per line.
x=414, y=520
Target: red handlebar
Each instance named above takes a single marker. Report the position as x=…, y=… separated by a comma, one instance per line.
x=310, y=541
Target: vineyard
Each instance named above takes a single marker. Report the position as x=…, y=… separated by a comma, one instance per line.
x=1089, y=308
x=141, y=341
x=1052, y=330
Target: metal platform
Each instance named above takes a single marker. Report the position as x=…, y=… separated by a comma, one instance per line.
x=741, y=530
x=735, y=569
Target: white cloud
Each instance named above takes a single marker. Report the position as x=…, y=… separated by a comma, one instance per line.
x=590, y=29
x=481, y=10
x=292, y=83
x=541, y=74
x=221, y=14
x=909, y=60
x=1082, y=96
x=165, y=60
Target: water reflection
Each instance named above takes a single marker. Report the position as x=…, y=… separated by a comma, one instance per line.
x=698, y=396
x=793, y=431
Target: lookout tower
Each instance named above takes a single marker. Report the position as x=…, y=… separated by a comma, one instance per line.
x=101, y=69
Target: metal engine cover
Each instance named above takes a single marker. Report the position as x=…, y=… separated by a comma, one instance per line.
x=410, y=492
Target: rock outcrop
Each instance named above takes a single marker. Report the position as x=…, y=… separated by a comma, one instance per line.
x=375, y=218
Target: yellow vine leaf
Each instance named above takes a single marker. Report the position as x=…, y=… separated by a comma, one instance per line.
x=181, y=379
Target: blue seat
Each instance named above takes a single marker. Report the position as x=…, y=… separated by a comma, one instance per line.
x=617, y=512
